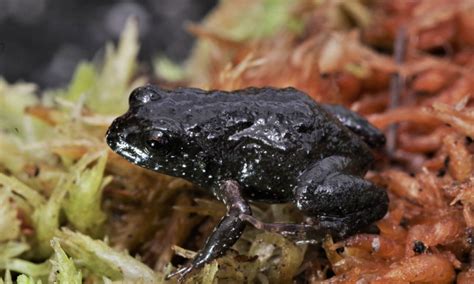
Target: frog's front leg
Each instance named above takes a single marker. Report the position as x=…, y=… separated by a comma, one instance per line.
x=343, y=202
x=226, y=233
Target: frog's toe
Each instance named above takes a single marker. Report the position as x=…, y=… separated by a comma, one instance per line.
x=181, y=273
x=299, y=233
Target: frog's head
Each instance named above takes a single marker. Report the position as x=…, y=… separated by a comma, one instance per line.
x=147, y=135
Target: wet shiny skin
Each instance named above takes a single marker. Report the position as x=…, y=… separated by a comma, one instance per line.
x=275, y=145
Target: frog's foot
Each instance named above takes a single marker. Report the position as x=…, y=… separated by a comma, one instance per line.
x=225, y=234
x=181, y=273
x=300, y=233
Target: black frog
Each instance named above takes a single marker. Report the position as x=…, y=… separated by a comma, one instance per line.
x=257, y=144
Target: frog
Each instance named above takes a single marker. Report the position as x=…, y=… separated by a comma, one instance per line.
x=267, y=144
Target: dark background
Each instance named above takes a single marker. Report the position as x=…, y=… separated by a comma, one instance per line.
x=43, y=40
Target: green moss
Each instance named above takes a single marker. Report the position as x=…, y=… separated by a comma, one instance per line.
x=102, y=260
x=64, y=267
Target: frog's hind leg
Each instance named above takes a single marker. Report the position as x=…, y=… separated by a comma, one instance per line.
x=357, y=124
x=226, y=233
x=343, y=203
x=340, y=202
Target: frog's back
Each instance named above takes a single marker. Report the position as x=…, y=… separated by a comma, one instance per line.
x=258, y=102
x=283, y=119
x=200, y=106
x=278, y=118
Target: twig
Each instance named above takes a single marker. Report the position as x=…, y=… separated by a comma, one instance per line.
x=396, y=86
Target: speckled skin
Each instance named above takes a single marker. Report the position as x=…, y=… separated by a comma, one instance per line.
x=273, y=145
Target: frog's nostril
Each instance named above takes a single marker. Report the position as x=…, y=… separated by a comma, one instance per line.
x=110, y=138
x=113, y=136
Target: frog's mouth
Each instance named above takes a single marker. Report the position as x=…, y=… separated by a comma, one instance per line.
x=117, y=140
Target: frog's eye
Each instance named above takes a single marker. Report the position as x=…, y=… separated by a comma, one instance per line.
x=142, y=95
x=156, y=139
